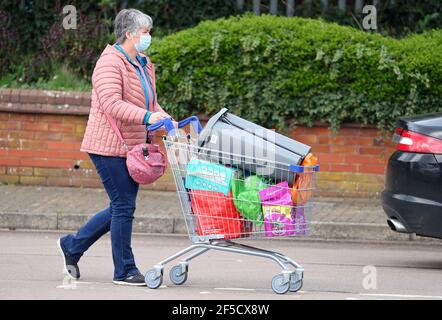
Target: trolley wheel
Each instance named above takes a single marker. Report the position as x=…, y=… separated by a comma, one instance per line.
x=152, y=280
x=278, y=284
x=295, y=286
x=177, y=276
x=295, y=283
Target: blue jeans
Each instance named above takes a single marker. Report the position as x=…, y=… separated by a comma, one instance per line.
x=117, y=218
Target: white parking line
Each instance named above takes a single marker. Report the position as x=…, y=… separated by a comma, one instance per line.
x=387, y=295
x=235, y=289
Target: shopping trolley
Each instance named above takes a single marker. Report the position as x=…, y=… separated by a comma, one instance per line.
x=222, y=202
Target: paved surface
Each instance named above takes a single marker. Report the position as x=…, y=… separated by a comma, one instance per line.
x=30, y=268
x=63, y=200
x=61, y=208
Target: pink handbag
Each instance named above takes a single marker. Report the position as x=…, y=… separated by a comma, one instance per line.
x=145, y=162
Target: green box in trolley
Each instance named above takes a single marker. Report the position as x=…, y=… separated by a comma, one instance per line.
x=233, y=141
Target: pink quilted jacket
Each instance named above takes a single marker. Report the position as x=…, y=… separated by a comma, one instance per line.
x=116, y=90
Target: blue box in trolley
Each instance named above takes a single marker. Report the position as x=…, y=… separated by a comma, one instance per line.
x=233, y=141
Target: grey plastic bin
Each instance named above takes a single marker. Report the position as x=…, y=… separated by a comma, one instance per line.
x=231, y=140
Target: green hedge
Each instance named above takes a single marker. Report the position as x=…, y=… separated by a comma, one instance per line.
x=270, y=69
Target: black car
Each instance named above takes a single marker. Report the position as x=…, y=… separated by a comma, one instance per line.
x=412, y=199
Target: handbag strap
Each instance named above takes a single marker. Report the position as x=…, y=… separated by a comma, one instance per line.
x=147, y=138
x=115, y=128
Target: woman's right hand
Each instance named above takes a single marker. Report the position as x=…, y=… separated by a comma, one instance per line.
x=157, y=116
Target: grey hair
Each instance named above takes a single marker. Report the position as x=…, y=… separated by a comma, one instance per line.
x=130, y=20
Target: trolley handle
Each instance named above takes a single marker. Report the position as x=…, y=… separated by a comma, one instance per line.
x=167, y=123
x=301, y=169
x=194, y=121
x=170, y=128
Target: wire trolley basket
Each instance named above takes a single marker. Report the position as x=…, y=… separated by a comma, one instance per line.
x=226, y=196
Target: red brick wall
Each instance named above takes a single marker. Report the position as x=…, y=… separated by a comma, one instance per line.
x=43, y=149
x=41, y=133
x=352, y=160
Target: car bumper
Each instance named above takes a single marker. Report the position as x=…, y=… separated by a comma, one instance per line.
x=416, y=215
x=413, y=193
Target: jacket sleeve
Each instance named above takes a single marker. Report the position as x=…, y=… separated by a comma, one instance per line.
x=107, y=81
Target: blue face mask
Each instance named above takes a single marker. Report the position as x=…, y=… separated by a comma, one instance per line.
x=144, y=43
